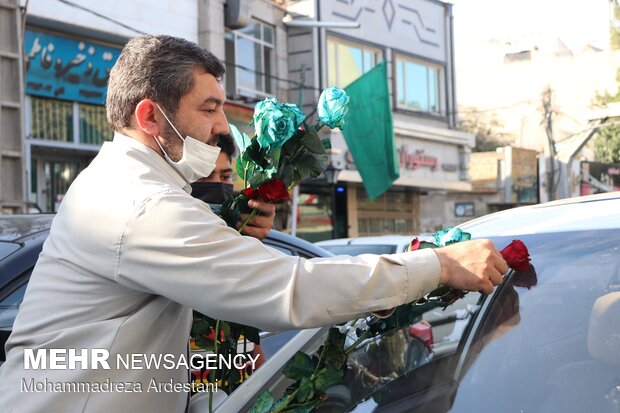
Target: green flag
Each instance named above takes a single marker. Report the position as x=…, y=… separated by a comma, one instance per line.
x=369, y=131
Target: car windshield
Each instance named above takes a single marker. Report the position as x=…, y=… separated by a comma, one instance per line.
x=359, y=249
x=545, y=341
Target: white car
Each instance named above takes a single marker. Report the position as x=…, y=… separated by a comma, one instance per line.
x=384, y=244
x=546, y=340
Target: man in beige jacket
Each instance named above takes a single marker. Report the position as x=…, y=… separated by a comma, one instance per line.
x=130, y=253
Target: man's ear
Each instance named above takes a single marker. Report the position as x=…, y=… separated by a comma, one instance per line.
x=147, y=117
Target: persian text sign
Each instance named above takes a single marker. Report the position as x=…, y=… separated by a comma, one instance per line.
x=68, y=69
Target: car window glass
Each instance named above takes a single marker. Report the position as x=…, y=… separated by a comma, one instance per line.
x=385, y=358
x=554, y=345
x=360, y=249
x=8, y=311
x=536, y=345
x=7, y=248
x=9, y=307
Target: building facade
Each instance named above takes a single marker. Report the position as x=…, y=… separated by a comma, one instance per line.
x=56, y=112
x=415, y=38
x=69, y=49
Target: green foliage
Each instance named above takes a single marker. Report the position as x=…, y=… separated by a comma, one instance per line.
x=607, y=144
x=614, y=33
x=607, y=139
x=299, y=366
x=263, y=403
x=328, y=377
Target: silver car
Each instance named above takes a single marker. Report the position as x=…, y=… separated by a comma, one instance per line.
x=546, y=340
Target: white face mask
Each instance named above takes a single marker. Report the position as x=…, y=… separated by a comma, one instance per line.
x=198, y=160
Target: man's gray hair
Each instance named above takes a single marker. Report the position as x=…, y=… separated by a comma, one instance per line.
x=158, y=68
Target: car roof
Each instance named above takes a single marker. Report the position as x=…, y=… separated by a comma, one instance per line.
x=593, y=212
x=400, y=240
x=15, y=228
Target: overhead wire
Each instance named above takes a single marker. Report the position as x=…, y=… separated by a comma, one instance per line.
x=86, y=9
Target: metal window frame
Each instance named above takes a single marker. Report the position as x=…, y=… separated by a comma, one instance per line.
x=430, y=67
x=246, y=91
x=376, y=52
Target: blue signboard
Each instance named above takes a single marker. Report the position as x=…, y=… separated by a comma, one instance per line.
x=69, y=69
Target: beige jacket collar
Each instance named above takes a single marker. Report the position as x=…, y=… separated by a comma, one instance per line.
x=156, y=160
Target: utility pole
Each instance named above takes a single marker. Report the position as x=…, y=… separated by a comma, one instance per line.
x=548, y=122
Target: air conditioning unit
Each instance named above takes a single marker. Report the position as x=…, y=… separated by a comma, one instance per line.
x=237, y=13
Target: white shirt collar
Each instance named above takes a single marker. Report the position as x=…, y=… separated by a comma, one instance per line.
x=157, y=160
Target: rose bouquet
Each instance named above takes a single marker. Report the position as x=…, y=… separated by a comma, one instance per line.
x=284, y=151
x=314, y=375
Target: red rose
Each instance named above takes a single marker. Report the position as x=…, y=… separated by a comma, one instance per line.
x=415, y=244
x=517, y=256
x=273, y=191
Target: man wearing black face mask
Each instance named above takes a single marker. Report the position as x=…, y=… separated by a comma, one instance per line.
x=218, y=187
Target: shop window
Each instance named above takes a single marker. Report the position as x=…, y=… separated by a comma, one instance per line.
x=346, y=61
x=52, y=119
x=94, y=127
x=395, y=212
x=250, y=58
x=418, y=85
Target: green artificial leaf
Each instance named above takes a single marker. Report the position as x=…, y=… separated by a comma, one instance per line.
x=299, y=366
x=331, y=376
x=293, y=144
x=302, y=408
x=439, y=291
x=256, y=154
x=200, y=326
x=225, y=328
x=327, y=143
x=402, y=316
x=235, y=330
x=231, y=211
x=274, y=156
x=305, y=390
x=259, y=176
x=204, y=343
x=426, y=244
x=240, y=165
x=312, y=141
x=263, y=403
x=241, y=139
x=333, y=352
x=286, y=173
x=308, y=166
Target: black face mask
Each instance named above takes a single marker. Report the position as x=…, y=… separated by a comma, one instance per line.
x=212, y=192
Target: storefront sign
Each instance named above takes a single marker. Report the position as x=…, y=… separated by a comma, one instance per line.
x=416, y=159
x=407, y=159
x=524, y=176
x=69, y=69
